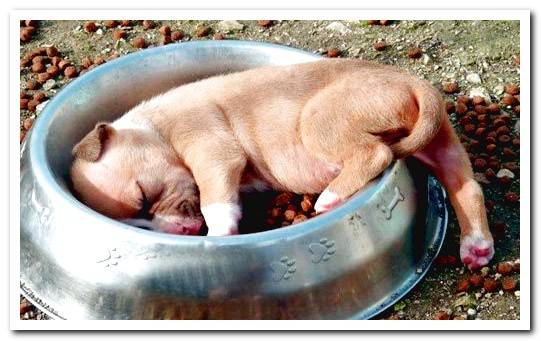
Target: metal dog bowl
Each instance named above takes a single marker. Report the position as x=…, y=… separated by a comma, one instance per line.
x=352, y=262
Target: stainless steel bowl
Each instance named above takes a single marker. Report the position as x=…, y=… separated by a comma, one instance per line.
x=352, y=262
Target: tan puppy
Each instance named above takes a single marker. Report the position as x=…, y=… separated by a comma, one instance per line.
x=325, y=127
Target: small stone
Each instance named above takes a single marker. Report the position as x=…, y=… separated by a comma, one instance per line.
x=228, y=26
x=498, y=89
x=338, y=27
x=517, y=293
x=473, y=78
x=484, y=271
x=99, y=31
x=481, y=92
x=471, y=312
x=49, y=84
x=505, y=173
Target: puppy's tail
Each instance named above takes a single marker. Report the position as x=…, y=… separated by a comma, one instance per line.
x=431, y=111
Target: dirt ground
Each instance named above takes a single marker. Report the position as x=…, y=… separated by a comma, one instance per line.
x=480, y=57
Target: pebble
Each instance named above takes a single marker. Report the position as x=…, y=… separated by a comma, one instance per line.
x=480, y=91
x=99, y=31
x=517, y=293
x=338, y=27
x=229, y=26
x=48, y=85
x=498, y=89
x=473, y=78
x=471, y=312
x=516, y=127
x=505, y=173
x=485, y=270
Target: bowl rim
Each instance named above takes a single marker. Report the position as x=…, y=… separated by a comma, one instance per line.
x=45, y=175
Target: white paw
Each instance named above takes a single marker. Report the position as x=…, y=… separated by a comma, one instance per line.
x=326, y=201
x=476, y=250
x=222, y=218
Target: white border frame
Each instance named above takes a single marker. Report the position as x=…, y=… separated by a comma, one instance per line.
x=525, y=309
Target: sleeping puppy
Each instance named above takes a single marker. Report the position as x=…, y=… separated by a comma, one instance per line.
x=326, y=127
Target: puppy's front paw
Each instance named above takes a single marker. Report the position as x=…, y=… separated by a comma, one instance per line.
x=222, y=218
x=476, y=250
x=326, y=201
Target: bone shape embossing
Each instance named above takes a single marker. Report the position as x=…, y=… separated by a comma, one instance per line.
x=388, y=210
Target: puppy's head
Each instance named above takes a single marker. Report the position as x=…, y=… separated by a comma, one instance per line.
x=133, y=175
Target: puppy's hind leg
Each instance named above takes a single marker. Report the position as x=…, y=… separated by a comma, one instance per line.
x=446, y=157
x=368, y=159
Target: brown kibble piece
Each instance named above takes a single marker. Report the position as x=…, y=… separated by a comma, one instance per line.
x=490, y=285
x=478, y=100
x=139, y=43
x=56, y=60
x=512, y=197
x=509, y=283
x=63, y=64
x=28, y=122
x=512, y=89
x=333, y=53
x=165, y=40
x=125, y=23
x=70, y=72
x=86, y=62
x=39, y=96
x=218, y=36
x=25, y=35
x=299, y=218
x=31, y=85
x=38, y=67
x=202, y=31
x=265, y=23
x=31, y=23
x=99, y=60
x=480, y=164
x=90, y=27
x=177, y=35
x=491, y=148
x=476, y=280
x=504, y=139
x=450, y=87
x=43, y=77
x=289, y=215
x=165, y=30
x=481, y=109
x=119, y=34
x=415, y=52
x=283, y=199
x=503, y=130
x=380, y=46
x=463, y=285
x=509, y=100
x=32, y=104
x=110, y=23
x=306, y=205
x=441, y=315
x=461, y=108
x=148, y=24
x=464, y=100
x=504, y=268
x=276, y=212
x=494, y=108
x=23, y=103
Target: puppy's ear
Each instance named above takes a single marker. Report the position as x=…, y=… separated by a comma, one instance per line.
x=92, y=145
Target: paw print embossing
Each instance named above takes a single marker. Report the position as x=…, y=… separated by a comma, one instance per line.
x=322, y=251
x=283, y=269
x=109, y=258
x=388, y=209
